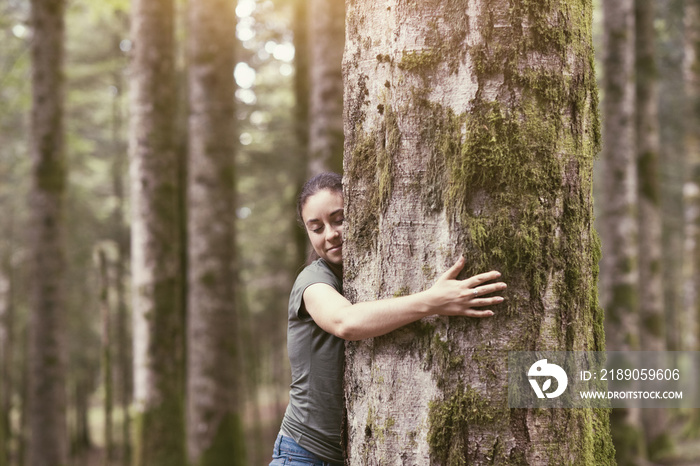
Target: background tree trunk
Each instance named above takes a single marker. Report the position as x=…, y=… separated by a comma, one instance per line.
x=6, y=331
x=47, y=398
x=692, y=85
x=108, y=386
x=326, y=40
x=470, y=127
x=619, y=232
x=214, y=430
x=156, y=240
x=672, y=113
x=652, y=334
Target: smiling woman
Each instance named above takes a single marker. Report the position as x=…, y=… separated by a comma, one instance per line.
x=320, y=319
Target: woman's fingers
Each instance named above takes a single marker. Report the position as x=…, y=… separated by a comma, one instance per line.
x=473, y=313
x=486, y=289
x=453, y=271
x=476, y=280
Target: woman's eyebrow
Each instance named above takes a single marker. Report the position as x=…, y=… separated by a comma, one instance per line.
x=333, y=214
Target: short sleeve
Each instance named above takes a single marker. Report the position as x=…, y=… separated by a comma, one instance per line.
x=317, y=272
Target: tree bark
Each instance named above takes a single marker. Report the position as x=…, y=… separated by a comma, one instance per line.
x=326, y=40
x=214, y=433
x=470, y=127
x=47, y=398
x=156, y=240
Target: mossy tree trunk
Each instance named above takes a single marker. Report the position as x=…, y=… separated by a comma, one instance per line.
x=48, y=444
x=470, y=128
x=652, y=333
x=214, y=433
x=156, y=240
x=326, y=42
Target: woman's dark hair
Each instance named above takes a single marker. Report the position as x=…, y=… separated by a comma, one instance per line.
x=328, y=180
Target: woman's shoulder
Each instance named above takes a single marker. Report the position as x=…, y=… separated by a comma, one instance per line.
x=317, y=271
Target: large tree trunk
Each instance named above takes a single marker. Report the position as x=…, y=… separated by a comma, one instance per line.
x=470, y=128
x=156, y=240
x=47, y=398
x=214, y=434
x=326, y=40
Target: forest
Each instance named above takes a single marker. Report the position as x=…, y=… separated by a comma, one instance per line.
x=151, y=155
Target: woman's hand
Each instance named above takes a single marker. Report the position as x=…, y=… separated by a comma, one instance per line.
x=452, y=297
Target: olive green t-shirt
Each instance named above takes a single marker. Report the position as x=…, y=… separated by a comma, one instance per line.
x=315, y=412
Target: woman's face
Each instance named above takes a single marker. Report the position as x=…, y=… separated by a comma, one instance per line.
x=323, y=218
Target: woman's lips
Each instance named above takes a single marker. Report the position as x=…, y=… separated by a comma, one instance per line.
x=335, y=248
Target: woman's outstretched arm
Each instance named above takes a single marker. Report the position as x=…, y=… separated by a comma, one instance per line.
x=448, y=296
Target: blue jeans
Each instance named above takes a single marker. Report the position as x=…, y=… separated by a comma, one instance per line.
x=288, y=453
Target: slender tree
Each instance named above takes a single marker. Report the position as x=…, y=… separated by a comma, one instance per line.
x=214, y=434
x=156, y=240
x=619, y=230
x=326, y=43
x=470, y=127
x=103, y=270
x=672, y=114
x=5, y=361
x=652, y=334
x=692, y=85
x=47, y=398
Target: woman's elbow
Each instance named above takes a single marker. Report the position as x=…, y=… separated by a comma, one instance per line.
x=347, y=331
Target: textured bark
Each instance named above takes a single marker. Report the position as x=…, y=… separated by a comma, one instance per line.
x=652, y=333
x=156, y=240
x=47, y=423
x=326, y=41
x=213, y=430
x=470, y=127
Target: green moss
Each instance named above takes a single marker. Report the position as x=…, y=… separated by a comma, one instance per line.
x=419, y=60
x=403, y=291
x=370, y=168
x=450, y=421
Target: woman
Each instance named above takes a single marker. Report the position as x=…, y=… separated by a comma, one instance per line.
x=320, y=319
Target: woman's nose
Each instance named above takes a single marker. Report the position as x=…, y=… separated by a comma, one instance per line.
x=332, y=232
